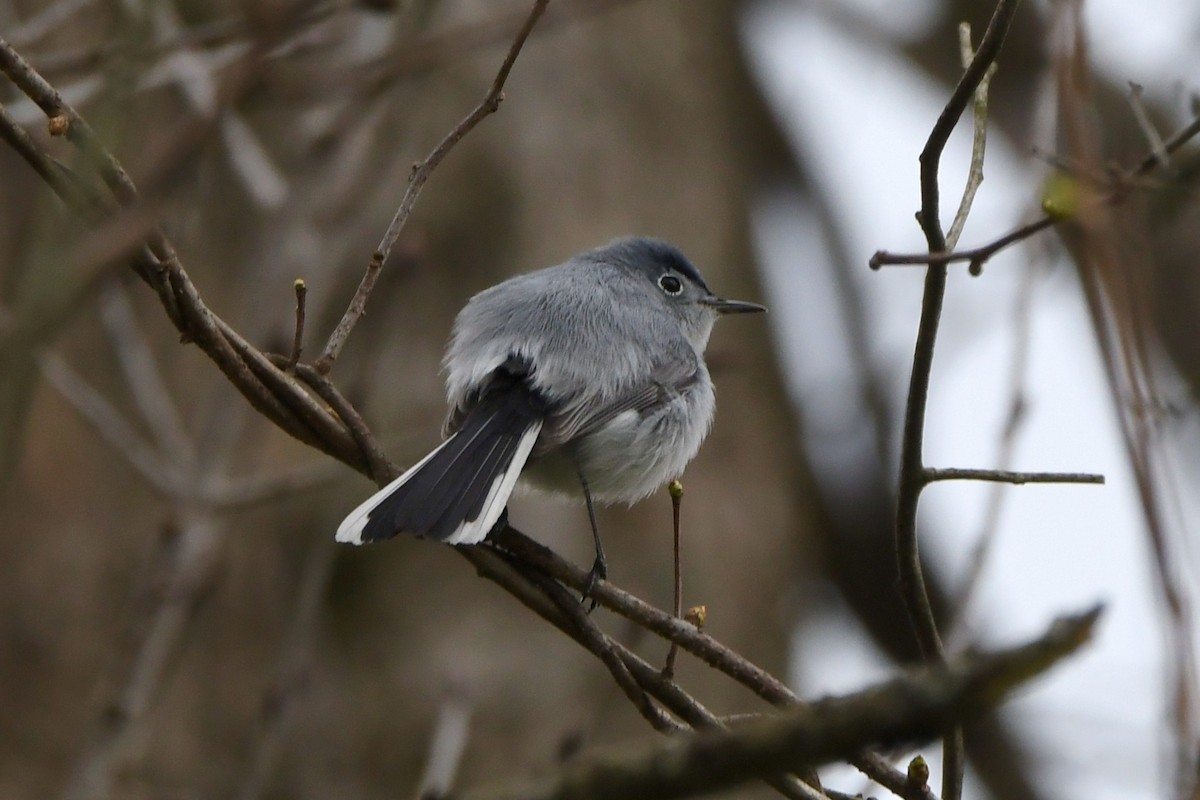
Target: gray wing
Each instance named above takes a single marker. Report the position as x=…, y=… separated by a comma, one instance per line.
x=667, y=381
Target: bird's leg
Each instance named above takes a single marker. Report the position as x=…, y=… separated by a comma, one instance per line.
x=599, y=570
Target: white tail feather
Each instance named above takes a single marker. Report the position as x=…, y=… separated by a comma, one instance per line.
x=497, y=498
x=470, y=532
x=352, y=526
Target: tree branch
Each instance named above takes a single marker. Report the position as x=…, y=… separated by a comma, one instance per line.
x=1007, y=476
x=690, y=638
x=912, y=581
x=416, y=181
x=909, y=708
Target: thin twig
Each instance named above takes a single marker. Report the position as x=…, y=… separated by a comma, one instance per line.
x=1158, y=148
x=108, y=422
x=979, y=138
x=932, y=474
x=236, y=493
x=976, y=257
x=142, y=375
x=911, y=459
x=1014, y=420
x=602, y=646
x=298, y=338
x=416, y=181
x=676, y=491
x=378, y=467
x=688, y=636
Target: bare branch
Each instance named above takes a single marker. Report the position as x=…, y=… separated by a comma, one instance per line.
x=516, y=581
x=690, y=638
x=231, y=494
x=911, y=459
x=109, y=424
x=142, y=375
x=976, y=257
x=912, y=581
x=676, y=491
x=416, y=181
x=298, y=338
x=591, y=637
x=908, y=708
x=378, y=467
x=979, y=139
x=1006, y=476
x=633, y=608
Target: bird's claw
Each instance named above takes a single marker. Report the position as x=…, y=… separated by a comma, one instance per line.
x=598, y=572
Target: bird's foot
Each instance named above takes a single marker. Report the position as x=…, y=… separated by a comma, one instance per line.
x=598, y=572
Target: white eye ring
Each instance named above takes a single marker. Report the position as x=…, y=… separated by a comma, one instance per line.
x=670, y=284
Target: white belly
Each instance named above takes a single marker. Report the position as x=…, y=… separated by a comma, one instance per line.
x=634, y=454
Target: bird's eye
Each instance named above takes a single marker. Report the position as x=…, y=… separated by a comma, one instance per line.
x=670, y=284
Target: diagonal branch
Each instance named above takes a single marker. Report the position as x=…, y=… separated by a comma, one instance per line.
x=416, y=182
x=692, y=639
x=909, y=708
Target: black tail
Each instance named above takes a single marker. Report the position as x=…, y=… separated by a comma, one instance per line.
x=457, y=492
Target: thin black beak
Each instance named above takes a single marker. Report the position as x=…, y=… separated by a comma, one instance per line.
x=723, y=306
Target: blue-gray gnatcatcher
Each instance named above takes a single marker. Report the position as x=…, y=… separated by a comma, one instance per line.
x=587, y=375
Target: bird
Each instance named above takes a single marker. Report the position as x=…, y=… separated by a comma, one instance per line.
x=586, y=378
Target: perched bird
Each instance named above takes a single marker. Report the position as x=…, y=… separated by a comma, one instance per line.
x=587, y=376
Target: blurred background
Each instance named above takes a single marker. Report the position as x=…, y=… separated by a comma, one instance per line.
x=175, y=621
